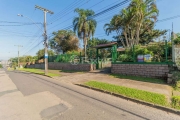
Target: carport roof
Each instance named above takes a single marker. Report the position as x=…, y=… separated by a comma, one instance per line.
x=105, y=45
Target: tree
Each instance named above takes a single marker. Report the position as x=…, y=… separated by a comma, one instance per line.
x=84, y=26
x=177, y=39
x=130, y=22
x=64, y=41
x=41, y=53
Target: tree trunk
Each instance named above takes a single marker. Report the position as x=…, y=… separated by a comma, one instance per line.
x=120, y=39
x=126, y=39
x=85, y=43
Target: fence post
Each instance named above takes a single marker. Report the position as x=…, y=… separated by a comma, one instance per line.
x=80, y=58
x=97, y=60
x=166, y=49
x=133, y=54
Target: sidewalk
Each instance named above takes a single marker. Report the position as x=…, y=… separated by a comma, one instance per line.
x=80, y=78
x=16, y=106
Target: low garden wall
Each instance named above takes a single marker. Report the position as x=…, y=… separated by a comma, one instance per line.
x=145, y=70
x=64, y=66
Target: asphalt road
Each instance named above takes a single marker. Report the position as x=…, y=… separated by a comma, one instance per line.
x=85, y=104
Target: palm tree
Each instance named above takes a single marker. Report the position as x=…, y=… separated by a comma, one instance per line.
x=143, y=10
x=84, y=26
x=130, y=21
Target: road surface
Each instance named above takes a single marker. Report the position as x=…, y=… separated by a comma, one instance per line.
x=65, y=101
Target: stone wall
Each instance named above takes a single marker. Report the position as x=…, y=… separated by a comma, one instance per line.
x=64, y=66
x=145, y=70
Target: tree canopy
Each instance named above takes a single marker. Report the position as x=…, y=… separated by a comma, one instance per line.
x=134, y=23
x=64, y=41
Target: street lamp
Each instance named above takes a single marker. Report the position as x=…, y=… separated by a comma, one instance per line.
x=20, y=15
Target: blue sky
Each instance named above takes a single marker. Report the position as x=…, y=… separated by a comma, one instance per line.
x=30, y=35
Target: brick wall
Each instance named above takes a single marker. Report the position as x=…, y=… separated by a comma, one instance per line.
x=146, y=70
x=64, y=66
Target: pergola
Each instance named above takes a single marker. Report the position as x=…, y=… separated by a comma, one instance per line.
x=112, y=45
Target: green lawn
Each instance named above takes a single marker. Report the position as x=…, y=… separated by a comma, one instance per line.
x=138, y=78
x=155, y=98
x=39, y=71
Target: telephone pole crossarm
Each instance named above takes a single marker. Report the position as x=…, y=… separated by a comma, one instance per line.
x=44, y=9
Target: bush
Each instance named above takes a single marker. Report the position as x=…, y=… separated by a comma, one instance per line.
x=125, y=58
x=1, y=66
x=176, y=102
x=138, y=50
x=176, y=79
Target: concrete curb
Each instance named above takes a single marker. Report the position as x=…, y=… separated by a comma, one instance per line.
x=34, y=73
x=170, y=110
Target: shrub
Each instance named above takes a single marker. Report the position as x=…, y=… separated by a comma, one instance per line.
x=125, y=58
x=138, y=50
x=176, y=79
x=1, y=66
x=176, y=102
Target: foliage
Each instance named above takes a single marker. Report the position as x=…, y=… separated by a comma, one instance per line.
x=130, y=92
x=91, y=52
x=176, y=79
x=147, y=36
x=177, y=39
x=138, y=78
x=138, y=50
x=176, y=102
x=63, y=57
x=1, y=66
x=40, y=53
x=83, y=26
x=64, y=40
x=158, y=50
x=130, y=22
x=125, y=58
x=73, y=52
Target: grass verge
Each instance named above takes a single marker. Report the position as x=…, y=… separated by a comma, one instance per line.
x=155, y=98
x=138, y=78
x=38, y=71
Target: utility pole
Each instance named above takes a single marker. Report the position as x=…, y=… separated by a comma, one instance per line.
x=172, y=42
x=18, y=52
x=45, y=36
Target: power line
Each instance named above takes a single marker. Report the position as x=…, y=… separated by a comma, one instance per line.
x=68, y=13
x=104, y=11
x=20, y=22
x=57, y=14
x=170, y=18
x=17, y=25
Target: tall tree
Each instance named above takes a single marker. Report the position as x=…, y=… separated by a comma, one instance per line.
x=84, y=26
x=132, y=20
x=64, y=41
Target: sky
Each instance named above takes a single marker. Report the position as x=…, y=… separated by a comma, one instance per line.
x=27, y=31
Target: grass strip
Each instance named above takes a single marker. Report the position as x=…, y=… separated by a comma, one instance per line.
x=155, y=98
x=138, y=78
x=38, y=71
